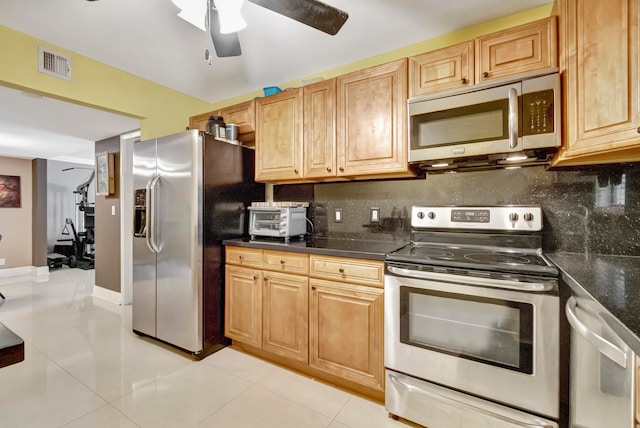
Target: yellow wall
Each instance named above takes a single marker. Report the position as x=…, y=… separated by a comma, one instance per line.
x=15, y=223
x=94, y=84
x=165, y=111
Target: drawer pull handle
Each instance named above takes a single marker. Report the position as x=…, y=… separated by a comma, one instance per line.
x=281, y=261
x=341, y=270
x=240, y=257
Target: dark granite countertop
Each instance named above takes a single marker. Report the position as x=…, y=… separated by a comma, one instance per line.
x=339, y=247
x=613, y=282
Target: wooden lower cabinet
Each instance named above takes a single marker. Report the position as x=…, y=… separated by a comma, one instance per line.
x=321, y=315
x=285, y=302
x=346, y=331
x=243, y=305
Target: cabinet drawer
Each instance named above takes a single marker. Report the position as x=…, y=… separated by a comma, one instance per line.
x=244, y=256
x=357, y=271
x=282, y=261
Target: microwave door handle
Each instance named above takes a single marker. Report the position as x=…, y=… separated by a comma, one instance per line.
x=513, y=118
x=151, y=214
x=605, y=347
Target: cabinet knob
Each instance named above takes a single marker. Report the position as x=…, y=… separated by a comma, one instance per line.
x=313, y=287
x=255, y=277
x=266, y=279
x=341, y=169
x=485, y=74
x=282, y=261
x=329, y=168
x=341, y=270
x=463, y=81
x=638, y=130
x=295, y=170
x=240, y=257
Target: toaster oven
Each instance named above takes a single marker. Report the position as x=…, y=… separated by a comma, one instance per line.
x=277, y=222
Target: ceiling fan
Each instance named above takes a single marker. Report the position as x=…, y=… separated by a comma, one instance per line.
x=222, y=18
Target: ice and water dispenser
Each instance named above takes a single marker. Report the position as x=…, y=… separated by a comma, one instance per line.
x=140, y=216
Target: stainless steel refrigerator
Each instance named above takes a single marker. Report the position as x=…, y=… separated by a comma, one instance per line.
x=191, y=192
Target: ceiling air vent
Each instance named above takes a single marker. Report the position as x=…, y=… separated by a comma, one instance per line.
x=54, y=63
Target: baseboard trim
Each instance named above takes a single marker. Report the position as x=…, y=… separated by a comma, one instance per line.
x=108, y=295
x=40, y=273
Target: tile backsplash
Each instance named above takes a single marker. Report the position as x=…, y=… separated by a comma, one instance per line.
x=588, y=210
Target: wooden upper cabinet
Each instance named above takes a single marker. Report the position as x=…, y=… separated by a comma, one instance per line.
x=371, y=121
x=279, y=136
x=199, y=122
x=243, y=115
x=600, y=41
x=442, y=69
x=319, y=124
x=517, y=50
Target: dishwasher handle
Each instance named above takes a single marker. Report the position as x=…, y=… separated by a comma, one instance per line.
x=605, y=347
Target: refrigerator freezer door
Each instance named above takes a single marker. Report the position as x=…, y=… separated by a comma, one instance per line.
x=144, y=260
x=179, y=239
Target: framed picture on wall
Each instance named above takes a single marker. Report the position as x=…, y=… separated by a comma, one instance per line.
x=105, y=180
x=9, y=191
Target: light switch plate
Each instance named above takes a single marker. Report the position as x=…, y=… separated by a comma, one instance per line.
x=375, y=215
x=338, y=215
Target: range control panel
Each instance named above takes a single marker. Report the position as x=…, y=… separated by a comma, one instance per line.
x=520, y=218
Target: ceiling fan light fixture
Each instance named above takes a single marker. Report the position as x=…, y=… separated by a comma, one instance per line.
x=193, y=11
x=231, y=20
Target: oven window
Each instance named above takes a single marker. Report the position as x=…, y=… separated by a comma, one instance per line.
x=470, y=124
x=491, y=331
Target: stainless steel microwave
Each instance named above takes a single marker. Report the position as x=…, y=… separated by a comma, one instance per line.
x=501, y=123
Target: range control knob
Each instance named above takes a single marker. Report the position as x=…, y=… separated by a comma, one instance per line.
x=528, y=217
x=431, y=215
x=420, y=215
x=513, y=217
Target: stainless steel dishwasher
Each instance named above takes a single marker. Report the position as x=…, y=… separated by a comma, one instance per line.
x=602, y=369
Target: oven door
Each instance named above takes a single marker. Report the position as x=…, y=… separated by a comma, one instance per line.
x=494, y=343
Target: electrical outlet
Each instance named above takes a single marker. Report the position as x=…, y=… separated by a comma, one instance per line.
x=337, y=218
x=375, y=215
x=2, y=261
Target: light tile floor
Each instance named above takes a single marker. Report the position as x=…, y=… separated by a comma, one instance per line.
x=84, y=367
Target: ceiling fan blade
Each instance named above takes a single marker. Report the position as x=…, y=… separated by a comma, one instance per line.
x=226, y=45
x=313, y=13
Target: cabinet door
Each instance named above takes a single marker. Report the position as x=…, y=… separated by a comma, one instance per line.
x=243, y=305
x=601, y=89
x=346, y=331
x=371, y=121
x=243, y=115
x=279, y=136
x=285, y=315
x=517, y=50
x=442, y=69
x=320, y=129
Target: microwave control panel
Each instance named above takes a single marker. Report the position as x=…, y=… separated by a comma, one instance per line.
x=538, y=113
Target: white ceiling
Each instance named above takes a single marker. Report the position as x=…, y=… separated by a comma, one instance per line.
x=146, y=38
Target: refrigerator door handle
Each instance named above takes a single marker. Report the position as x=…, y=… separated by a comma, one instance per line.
x=605, y=347
x=151, y=214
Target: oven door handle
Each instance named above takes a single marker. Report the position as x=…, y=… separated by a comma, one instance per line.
x=538, y=287
x=605, y=347
x=458, y=403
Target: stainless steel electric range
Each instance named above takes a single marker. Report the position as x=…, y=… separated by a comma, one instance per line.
x=472, y=314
